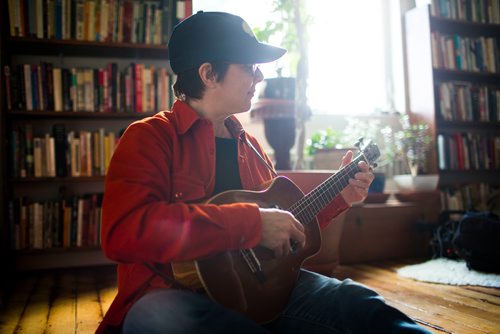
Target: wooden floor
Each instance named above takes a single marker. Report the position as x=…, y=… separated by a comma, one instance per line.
x=74, y=301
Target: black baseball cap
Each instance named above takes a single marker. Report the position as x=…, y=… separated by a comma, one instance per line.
x=216, y=36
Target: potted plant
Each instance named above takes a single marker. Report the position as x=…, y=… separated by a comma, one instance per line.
x=282, y=101
x=327, y=147
x=414, y=142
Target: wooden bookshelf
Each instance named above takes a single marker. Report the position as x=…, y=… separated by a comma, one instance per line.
x=113, y=53
x=60, y=258
x=458, y=94
x=23, y=114
x=25, y=45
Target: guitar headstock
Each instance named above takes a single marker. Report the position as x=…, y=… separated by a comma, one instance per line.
x=370, y=151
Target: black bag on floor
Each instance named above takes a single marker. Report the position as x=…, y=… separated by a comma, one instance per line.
x=477, y=240
x=442, y=235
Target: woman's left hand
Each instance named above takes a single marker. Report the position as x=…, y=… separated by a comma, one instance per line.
x=357, y=190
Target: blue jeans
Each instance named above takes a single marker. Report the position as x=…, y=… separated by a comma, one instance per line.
x=318, y=304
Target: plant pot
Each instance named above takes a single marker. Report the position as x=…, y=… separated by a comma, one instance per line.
x=330, y=158
x=280, y=134
x=406, y=183
x=276, y=107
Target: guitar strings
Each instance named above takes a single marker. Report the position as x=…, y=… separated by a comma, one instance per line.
x=340, y=178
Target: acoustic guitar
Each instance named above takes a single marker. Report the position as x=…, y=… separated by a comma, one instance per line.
x=253, y=281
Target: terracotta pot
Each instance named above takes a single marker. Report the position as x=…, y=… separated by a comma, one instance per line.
x=330, y=158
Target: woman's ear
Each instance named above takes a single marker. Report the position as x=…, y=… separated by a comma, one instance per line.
x=206, y=74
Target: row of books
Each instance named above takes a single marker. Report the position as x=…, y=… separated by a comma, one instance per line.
x=60, y=153
x=44, y=87
x=475, y=196
x=63, y=223
x=480, y=11
x=463, y=101
x=468, y=151
x=455, y=52
x=121, y=21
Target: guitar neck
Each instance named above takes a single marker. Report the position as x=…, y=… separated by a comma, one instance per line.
x=306, y=209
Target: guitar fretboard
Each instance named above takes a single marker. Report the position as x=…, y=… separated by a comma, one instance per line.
x=311, y=204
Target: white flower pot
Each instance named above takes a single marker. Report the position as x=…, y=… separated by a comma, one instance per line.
x=407, y=183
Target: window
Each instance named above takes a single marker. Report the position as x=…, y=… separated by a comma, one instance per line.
x=355, y=52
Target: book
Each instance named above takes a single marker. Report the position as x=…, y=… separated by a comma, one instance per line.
x=138, y=88
x=79, y=20
x=127, y=21
x=37, y=224
x=50, y=156
x=8, y=94
x=58, y=100
x=60, y=143
x=75, y=155
x=28, y=87
x=37, y=156
x=66, y=84
x=41, y=90
x=29, y=153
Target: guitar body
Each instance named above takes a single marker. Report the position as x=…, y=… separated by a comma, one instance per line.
x=252, y=281
x=227, y=277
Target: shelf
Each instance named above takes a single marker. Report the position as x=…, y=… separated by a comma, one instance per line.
x=463, y=27
x=60, y=258
x=467, y=126
x=54, y=47
x=79, y=179
x=460, y=177
x=426, y=98
x=441, y=75
x=79, y=114
x=68, y=54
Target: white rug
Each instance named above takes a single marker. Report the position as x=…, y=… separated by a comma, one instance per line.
x=448, y=271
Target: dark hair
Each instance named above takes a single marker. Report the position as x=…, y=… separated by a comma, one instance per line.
x=189, y=85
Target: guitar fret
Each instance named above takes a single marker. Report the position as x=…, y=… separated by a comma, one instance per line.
x=311, y=204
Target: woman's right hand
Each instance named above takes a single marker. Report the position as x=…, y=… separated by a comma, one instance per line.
x=279, y=228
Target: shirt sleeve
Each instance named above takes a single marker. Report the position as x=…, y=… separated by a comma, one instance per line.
x=332, y=210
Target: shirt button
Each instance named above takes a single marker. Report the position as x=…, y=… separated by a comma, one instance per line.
x=178, y=195
x=242, y=240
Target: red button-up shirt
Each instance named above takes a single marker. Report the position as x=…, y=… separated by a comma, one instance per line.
x=161, y=173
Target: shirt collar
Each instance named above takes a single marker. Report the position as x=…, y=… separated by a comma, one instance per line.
x=187, y=116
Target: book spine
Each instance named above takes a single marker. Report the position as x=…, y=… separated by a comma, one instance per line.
x=127, y=21
x=66, y=89
x=138, y=88
x=58, y=103
x=12, y=18
x=15, y=143
x=8, y=91
x=37, y=156
x=59, y=133
x=34, y=87
x=17, y=87
x=41, y=91
x=104, y=20
x=28, y=87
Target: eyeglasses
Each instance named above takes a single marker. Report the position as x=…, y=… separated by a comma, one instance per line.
x=250, y=68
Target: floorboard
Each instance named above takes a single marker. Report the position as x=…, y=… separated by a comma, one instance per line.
x=441, y=308
x=75, y=300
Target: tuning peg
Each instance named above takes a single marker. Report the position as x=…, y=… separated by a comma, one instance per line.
x=374, y=165
x=359, y=142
